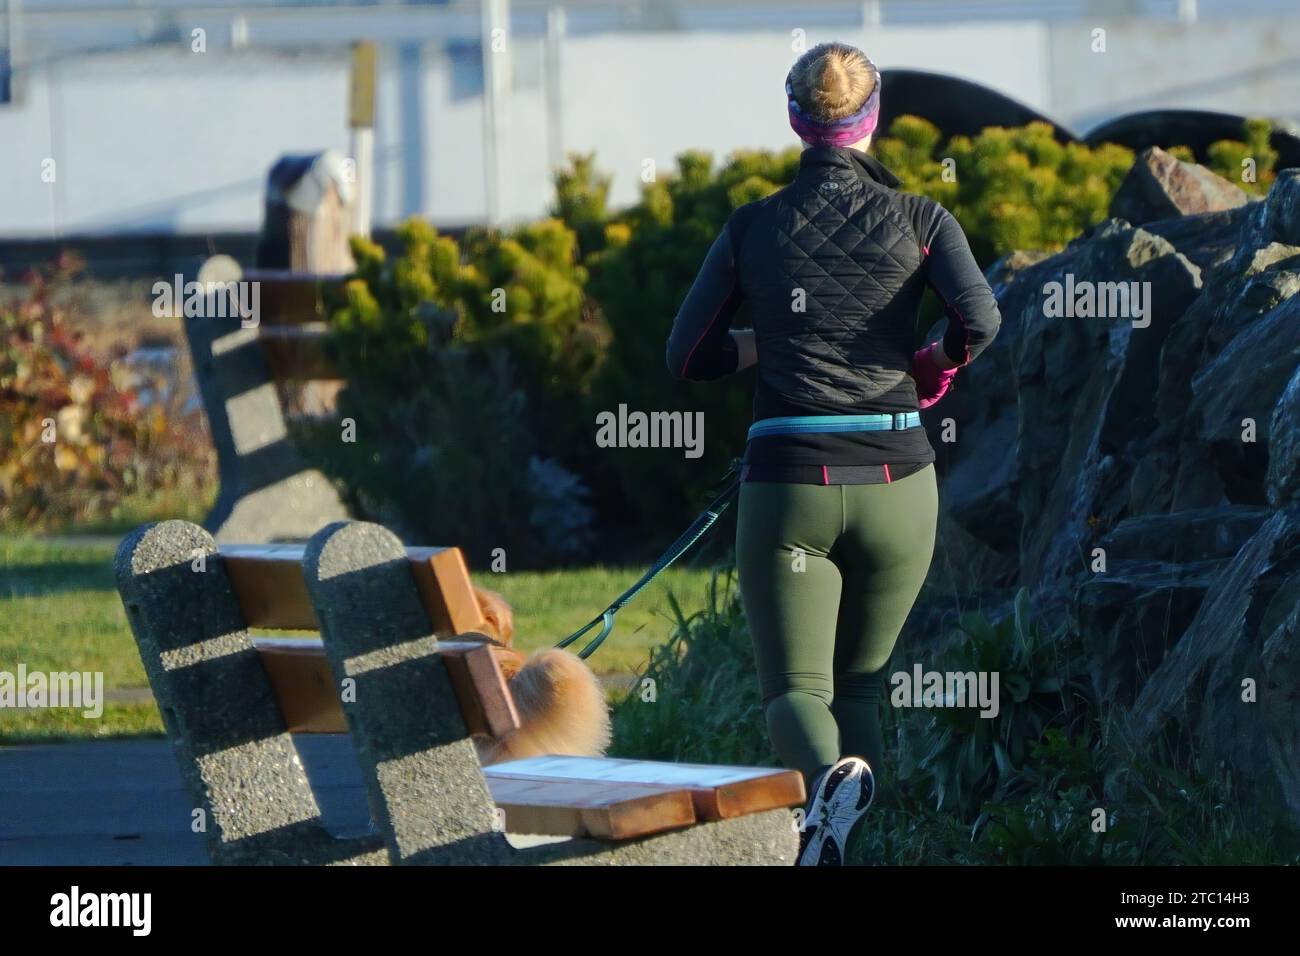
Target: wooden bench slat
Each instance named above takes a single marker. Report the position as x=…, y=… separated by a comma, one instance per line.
x=481, y=688
x=607, y=811
x=298, y=353
x=309, y=702
x=443, y=581
x=303, y=684
x=610, y=799
x=268, y=583
x=272, y=593
x=718, y=792
x=290, y=298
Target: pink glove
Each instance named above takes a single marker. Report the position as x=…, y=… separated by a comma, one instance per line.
x=931, y=381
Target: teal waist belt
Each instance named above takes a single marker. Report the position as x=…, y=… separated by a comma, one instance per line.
x=802, y=424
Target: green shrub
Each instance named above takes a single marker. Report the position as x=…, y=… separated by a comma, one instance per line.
x=1228, y=157
x=524, y=292
x=455, y=462
x=521, y=291
x=468, y=366
x=971, y=758
x=582, y=200
x=1010, y=188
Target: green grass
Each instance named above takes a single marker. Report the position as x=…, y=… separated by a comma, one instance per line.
x=80, y=513
x=119, y=719
x=59, y=611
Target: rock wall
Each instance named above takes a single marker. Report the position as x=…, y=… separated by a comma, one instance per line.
x=1138, y=468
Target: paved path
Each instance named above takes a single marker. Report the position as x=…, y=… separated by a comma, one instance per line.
x=120, y=803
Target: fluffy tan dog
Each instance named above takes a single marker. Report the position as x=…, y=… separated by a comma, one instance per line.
x=562, y=707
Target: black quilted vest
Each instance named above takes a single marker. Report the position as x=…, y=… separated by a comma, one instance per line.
x=831, y=266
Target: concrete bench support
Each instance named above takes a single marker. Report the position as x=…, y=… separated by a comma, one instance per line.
x=236, y=758
x=267, y=492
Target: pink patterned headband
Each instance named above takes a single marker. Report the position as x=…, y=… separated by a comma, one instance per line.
x=840, y=132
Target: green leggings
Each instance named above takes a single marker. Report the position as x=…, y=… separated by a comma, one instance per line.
x=828, y=575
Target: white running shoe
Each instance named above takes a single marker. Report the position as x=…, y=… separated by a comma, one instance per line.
x=841, y=798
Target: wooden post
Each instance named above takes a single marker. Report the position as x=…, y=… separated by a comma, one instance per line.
x=555, y=30
x=10, y=53
x=361, y=119
x=309, y=213
x=496, y=72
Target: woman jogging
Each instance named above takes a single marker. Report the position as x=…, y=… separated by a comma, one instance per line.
x=838, y=506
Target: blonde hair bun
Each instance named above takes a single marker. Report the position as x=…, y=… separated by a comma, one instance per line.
x=832, y=81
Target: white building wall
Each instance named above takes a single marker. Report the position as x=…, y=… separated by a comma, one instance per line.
x=160, y=139
x=719, y=91
x=1249, y=66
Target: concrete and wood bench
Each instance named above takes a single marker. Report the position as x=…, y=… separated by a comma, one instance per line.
x=402, y=666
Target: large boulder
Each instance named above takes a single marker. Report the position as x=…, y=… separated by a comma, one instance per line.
x=1283, y=479
x=1232, y=676
x=1161, y=186
x=1086, y=385
x=1146, y=586
x=1129, y=449
x=1250, y=350
x=977, y=430
x=1234, y=395
x=1209, y=240
x=1115, y=418
x=974, y=429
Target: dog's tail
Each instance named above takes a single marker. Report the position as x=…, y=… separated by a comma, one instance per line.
x=561, y=704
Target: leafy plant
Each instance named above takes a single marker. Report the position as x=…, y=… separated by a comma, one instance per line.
x=582, y=200
x=561, y=515
x=695, y=700
x=1009, y=188
x=464, y=362
x=971, y=757
x=1230, y=158
x=77, y=442
x=446, y=463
